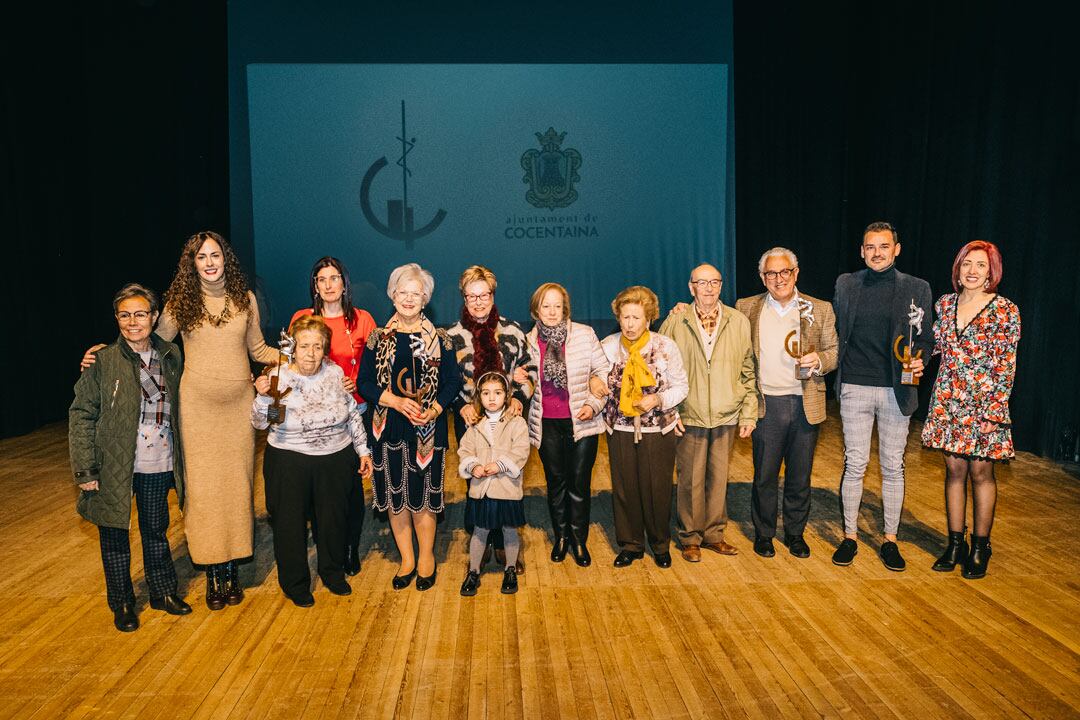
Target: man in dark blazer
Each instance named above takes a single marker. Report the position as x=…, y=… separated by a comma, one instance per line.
x=790, y=407
x=873, y=307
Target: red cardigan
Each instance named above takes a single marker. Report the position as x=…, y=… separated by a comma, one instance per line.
x=346, y=346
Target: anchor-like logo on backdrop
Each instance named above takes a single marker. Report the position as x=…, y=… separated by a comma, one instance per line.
x=399, y=223
x=551, y=172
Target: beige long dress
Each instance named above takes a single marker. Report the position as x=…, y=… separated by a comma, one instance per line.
x=215, y=427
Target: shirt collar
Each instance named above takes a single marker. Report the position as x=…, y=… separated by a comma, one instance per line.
x=782, y=310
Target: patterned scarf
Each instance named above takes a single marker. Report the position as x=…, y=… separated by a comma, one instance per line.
x=486, y=355
x=155, y=404
x=635, y=375
x=554, y=356
x=426, y=351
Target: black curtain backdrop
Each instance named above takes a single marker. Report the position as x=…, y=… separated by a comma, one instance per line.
x=954, y=121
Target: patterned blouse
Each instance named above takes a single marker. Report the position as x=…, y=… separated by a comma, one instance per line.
x=664, y=360
x=978, y=364
x=513, y=348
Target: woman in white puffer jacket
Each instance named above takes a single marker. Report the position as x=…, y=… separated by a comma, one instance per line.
x=564, y=416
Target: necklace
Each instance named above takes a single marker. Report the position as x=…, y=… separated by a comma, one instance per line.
x=223, y=316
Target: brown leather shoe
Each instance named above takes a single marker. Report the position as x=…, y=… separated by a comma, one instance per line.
x=691, y=553
x=721, y=547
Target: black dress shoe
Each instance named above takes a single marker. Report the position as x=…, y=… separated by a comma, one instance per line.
x=891, y=557
x=662, y=560
x=352, y=560
x=304, y=600
x=171, y=604
x=509, y=583
x=400, y=582
x=471, y=584
x=763, y=546
x=559, y=549
x=581, y=555
x=338, y=587
x=845, y=553
x=797, y=546
x=125, y=619
x=627, y=557
x=426, y=583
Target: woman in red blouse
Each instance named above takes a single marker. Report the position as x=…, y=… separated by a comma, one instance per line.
x=331, y=298
x=976, y=333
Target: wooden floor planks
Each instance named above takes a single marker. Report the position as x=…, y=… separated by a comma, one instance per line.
x=730, y=637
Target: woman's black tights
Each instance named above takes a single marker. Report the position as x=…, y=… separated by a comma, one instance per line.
x=983, y=493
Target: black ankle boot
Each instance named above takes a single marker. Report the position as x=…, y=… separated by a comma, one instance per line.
x=976, y=562
x=232, y=589
x=352, y=559
x=955, y=553
x=215, y=587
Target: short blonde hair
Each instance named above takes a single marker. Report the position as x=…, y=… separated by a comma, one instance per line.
x=638, y=295
x=306, y=323
x=476, y=273
x=538, y=298
x=411, y=271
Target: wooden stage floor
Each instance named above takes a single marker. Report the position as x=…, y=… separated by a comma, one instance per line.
x=730, y=637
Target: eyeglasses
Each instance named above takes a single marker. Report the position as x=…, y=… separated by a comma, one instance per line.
x=328, y=280
x=139, y=315
x=702, y=284
x=481, y=298
x=408, y=295
x=784, y=274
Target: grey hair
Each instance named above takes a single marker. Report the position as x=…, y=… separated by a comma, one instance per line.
x=132, y=290
x=411, y=271
x=783, y=251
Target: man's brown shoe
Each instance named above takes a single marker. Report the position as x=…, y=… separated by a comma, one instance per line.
x=691, y=553
x=721, y=547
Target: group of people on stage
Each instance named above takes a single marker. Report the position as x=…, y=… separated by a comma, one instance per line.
x=346, y=399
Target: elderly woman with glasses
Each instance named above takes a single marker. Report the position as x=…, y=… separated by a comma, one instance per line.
x=411, y=376
x=484, y=341
x=122, y=442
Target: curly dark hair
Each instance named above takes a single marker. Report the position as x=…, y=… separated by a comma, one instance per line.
x=184, y=298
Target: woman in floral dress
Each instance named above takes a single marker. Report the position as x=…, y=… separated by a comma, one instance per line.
x=976, y=333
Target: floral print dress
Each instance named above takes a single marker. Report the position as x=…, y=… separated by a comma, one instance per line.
x=978, y=364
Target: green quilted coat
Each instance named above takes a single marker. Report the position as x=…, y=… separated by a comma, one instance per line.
x=103, y=424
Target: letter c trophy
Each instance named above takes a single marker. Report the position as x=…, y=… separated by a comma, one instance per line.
x=275, y=413
x=915, y=318
x=794, y=344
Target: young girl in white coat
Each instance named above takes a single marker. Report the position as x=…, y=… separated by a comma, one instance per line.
x=493, y=453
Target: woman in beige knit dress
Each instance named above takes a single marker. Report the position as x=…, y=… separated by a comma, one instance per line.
x=210, y=306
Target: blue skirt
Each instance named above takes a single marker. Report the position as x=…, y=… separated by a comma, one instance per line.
x=492, y=513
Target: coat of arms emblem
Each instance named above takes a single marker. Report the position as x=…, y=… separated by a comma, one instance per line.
x=551, y=172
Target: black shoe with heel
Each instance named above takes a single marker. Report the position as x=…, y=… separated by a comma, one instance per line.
x=426, y=583
x=955, y=553
x=976, y=562
x=400, y=582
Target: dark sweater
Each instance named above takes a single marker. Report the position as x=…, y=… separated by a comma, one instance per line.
x=869, y=354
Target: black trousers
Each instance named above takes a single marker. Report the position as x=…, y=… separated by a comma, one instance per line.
x=495, y=535
x=299, y=485
x=782, y=436
x=152, y=503
x=568, y=469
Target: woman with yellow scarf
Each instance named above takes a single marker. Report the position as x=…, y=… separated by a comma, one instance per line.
x=648, y=382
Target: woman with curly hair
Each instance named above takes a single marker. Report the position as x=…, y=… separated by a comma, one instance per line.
x=210, y=306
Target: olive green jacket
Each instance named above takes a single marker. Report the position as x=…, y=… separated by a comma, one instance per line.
x=103, y=425
x=723, y=387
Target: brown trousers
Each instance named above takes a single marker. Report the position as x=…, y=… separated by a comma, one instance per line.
x=641, y=489
x=702, y=461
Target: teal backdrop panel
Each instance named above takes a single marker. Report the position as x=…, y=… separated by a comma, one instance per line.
x=596, y=176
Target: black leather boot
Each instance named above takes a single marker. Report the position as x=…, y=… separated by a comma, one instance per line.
x=215, y=593
x=955, y=553
x=234, y=593
x=976, y=562
x=352, y=559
